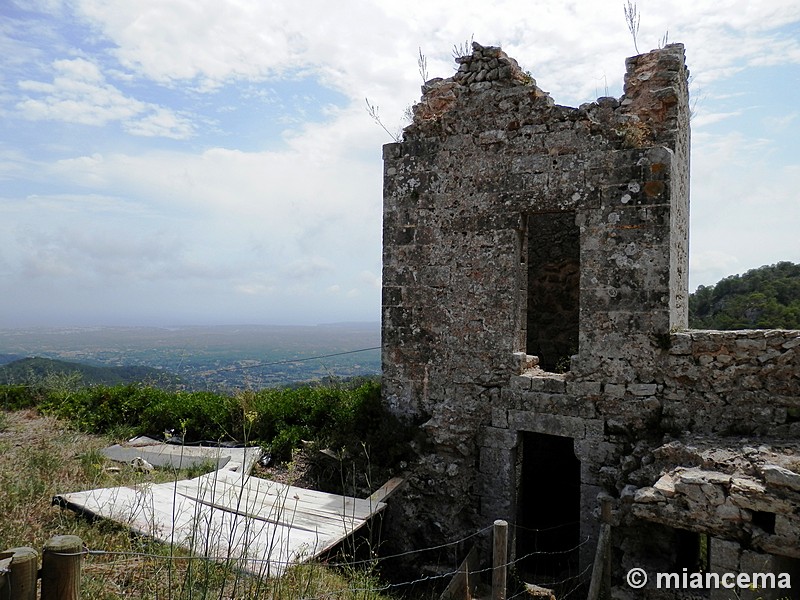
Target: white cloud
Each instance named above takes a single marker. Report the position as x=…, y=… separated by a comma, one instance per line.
x=80, y=94
x=203, y=226
x=779, y=122
x=308, y=268
x=710, y=266
x=370, y=49
x=261, y=285
x=160, y=122
x=48, y=6
x=703, y=118
x=369, y=279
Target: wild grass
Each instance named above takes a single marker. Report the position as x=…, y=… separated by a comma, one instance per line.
x=44, y=455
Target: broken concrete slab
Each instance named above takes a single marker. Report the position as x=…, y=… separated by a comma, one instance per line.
x=160, y=454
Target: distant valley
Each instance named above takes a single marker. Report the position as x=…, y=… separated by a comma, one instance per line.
x=213, y=358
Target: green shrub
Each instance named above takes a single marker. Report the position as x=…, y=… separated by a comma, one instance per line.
x=194, y=415
x=99, y=409
x=342, y=417
x=16, y=397
x=336, y=417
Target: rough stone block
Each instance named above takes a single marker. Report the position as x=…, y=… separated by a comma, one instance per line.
x=392, y=151
x=520, y=383
x=792, y=342
x=573, y=427
x=497, y=461
x=755, y=562
x=435, y=276
x=748, y=344
x=648, y=495
x=615, y=390
x=642, y=389
x=780, y=476
x=590, y=473
x=680, y=344
x=724, y=554
x=595, y=452
x=584, y=388
x=551, y=385
x=499, y=438
x=499, y=417
x=595, y=428
x=665, y=485
x=729, y=512
x=787, y=526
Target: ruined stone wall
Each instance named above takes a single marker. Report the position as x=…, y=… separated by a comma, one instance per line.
x=490, y=166
x=480, y=157
x=707, y=444
x=733, y=383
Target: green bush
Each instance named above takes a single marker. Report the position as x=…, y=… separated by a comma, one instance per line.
x=194, y=415
x=100, y=409
x=16, y=397
x=338, y=417
x=342, y=417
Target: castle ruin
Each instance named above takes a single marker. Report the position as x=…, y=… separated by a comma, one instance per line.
x=535, y=295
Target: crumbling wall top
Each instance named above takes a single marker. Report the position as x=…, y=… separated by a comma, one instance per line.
x=487, y=68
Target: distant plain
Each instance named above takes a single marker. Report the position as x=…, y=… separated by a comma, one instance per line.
x=212, y=357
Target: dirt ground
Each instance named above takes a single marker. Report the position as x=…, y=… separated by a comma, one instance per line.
x=28, y=427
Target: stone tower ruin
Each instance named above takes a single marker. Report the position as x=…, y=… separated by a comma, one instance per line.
x=535, y=329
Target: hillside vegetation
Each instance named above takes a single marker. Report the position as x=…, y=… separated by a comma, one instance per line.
x=346, y=417
x=763, y=298
x=36, y=369
x=221, y=358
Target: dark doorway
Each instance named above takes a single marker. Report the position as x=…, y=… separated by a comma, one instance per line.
x=691, y=551
x=553, y=253
x=549, y=509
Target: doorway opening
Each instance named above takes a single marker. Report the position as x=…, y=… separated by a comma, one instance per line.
x=691, y=551
x=553, y=303
x=549, y=509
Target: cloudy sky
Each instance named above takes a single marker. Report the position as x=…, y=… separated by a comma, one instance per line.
x=167, y=162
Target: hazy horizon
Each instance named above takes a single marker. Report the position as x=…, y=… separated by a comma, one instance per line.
x=211, y=356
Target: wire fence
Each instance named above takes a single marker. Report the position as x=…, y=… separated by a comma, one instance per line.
x=568, y=586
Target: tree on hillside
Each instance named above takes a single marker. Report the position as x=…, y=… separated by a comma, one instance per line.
x=763, y=298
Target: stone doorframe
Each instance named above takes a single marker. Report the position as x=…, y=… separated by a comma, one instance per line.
x=499, y=470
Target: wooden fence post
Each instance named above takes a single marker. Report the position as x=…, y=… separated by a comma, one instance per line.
x=601, y=571
x=500, y=562
x=23, y=573
x=61, y=568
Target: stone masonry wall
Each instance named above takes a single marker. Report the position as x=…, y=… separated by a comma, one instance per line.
x=487, y=154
